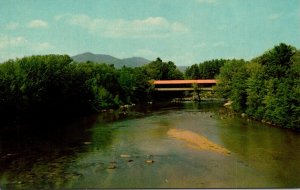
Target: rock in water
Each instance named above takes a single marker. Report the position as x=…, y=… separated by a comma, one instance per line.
x=112, y=166
x=125, y=156
x=149, y=161
x=87, y=143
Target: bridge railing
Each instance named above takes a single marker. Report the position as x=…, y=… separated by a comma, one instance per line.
x=184, y=85
x=199, y=81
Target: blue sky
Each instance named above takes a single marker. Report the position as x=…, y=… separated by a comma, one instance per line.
x=183, y=31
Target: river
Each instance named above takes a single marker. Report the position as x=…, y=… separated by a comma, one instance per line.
x=180, y=146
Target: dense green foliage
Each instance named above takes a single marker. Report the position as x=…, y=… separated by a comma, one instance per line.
x=267, y=88
x=159, y=70
x=135, y=85
x=206, y=70
x=54, y=83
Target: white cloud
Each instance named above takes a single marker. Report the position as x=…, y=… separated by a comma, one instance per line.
x=152, y=27
x=206, y=1
x=7, y=41
x=12, y=25
x=18, y=46
x=37, y=24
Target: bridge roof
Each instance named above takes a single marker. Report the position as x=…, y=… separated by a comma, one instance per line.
x=204, y=81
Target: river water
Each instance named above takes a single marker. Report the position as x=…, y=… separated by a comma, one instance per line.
x=183, y=146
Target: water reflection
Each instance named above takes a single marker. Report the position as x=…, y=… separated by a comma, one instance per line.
x=102, y=137
x=271, y=151
x=38, y=154
x=111, y=149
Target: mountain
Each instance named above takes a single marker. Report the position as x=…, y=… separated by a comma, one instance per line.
x=101, y=58
x=135, y=61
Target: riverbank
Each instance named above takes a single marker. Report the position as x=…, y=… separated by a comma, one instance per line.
x=230, y=112
x=177, y=146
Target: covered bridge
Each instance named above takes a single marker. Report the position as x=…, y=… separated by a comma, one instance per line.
x=184, y=85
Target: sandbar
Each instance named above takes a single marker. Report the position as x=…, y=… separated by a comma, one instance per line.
x=197, y=141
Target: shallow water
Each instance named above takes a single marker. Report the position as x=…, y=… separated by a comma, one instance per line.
x=136, y=150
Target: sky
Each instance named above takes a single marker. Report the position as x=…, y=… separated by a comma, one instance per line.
x=183, y=31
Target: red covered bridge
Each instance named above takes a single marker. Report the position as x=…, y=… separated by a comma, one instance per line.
x=184, y=85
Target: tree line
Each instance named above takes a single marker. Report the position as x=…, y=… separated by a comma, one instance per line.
x=205, y=70
x=57, y=84
x=267, y=87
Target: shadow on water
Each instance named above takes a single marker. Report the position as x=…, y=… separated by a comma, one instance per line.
x=37, y=154
x=204, y=106
x=41, y=153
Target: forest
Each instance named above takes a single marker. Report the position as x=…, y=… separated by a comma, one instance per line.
x=56, y=84
x=265, y=88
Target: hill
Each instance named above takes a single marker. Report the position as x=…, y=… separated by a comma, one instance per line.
x=102, y=58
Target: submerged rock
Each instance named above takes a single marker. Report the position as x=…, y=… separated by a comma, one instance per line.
x=112, y=166
x=149, y=161
x=87, y=143
x=125, y=156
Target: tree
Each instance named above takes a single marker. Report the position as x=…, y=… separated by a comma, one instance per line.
x=266, y=88
x=205, y=70
x=255, y=90
x=277, y=60
x=159, y=70
x=232, y=79
x=135, y=85
x=210, y=69
x=192, y=72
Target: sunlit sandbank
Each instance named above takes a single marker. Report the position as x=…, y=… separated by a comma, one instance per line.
x=197, y=141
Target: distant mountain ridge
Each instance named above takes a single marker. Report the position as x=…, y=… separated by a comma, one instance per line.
x=102, y=58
